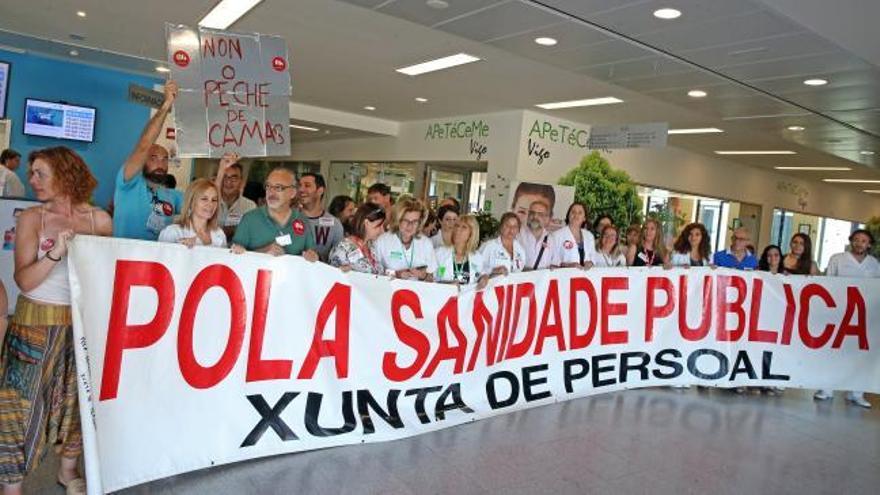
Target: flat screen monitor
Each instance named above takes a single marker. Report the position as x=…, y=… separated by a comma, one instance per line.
x=59, y=120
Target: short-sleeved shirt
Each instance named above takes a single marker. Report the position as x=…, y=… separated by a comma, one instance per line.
x=726, y=259
x=846, y=265
x=257, y=230
x=327, y=231
x=394, y=256
x=10, y=184
x=495, y=255
x=139, y=212
x=533, y=248
x=230, y=216
x=176, y=232
x=448, y=270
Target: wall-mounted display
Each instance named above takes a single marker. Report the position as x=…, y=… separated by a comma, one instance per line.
x=59, y=120
x=5, y=68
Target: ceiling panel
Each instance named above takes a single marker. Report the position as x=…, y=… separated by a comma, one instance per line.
x=419, y=11
x=501, y=20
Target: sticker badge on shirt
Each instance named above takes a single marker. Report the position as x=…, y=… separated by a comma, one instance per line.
x=395, y=255
x=299, y=228
x=284, y=240
x=326, y=221
x=160, y=215
x=568, y=244
x=47, y=245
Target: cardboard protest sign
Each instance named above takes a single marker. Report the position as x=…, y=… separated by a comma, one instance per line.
x=234, y=92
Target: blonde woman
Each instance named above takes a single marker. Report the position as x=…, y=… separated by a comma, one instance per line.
x=649, y=251
x=197, y=224
x=608, y=253
x=460, y=263
x=403, y=251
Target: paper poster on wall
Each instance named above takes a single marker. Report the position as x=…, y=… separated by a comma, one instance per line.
x=234, y=92
x=4, y=87
x=10, y=209
x=523, y=194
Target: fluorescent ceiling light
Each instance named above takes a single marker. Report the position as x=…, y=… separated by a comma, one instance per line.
x=74, y=53
x=438, y=64
x=545, y=41
x=162, y=69
x=304, y=128
x=437, y=4
x=421, y=100
x=699, y=130
x=605, y=100
x=767, y=116
x=816, y=82
x=795, y=128
x=771, y=152
x=369, y=107
x=871, y=191
x=866, y=153
x=823, y=169
x=697, y=93
x=852, y=181
x=81, y=13
x=225, y=13
x=667, y=14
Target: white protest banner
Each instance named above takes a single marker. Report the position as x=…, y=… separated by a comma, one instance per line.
x=234, y=92
x=198, y=358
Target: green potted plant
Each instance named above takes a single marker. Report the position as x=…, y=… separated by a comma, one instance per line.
x=604, y=190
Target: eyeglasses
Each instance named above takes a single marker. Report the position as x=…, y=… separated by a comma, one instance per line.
x=744, y=239
x=404, y=221
x=538, y=213
x=232, y=178
x=277, y=187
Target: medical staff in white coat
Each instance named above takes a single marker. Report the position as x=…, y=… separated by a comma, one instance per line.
x=504, y=254
x=573, y=245
x=461, y=263
x=403, y=251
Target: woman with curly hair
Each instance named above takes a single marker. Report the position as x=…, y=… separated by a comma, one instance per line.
x=692, y=247
x=38, y=394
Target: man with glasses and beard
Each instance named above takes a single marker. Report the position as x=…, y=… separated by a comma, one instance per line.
x=857, y=263
x=277, y=228
x=144, y=205
x=535, y=237
x=233, y=204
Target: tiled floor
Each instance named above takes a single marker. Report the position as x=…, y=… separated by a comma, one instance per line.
x=653, y=441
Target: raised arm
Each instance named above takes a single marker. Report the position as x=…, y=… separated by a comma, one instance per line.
x=226, y=160
x=135, y=162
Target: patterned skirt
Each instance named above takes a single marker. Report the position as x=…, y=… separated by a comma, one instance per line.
x=38, y=394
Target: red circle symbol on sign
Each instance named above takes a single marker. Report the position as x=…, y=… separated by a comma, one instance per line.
x=181, y=58
x=279, y=64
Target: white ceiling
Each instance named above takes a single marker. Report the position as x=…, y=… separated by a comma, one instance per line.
x=750, y=57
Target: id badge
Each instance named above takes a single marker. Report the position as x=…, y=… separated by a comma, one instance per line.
x=283, y=240
x=160, y=216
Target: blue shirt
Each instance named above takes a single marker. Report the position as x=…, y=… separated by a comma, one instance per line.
x=726, y=259
x=138, y=212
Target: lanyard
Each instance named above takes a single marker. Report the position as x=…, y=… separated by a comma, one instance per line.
x=365, y=251
x=412, y=256
x=458, y=269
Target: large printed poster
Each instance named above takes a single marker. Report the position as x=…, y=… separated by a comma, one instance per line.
x=234, y=92
x=197, y=358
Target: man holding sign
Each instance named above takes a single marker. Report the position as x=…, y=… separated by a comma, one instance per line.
x=143, y=204
x=277, y=228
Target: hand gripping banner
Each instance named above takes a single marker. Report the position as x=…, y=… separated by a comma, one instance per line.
x=196, y=358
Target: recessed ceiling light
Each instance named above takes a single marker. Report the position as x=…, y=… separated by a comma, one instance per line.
x=795, y=128
x=605, y=100
x=545, y=41
x=816, y=82
x=225, y=13
x=421, y=100
x=81, y=13
x=818, y=169
x=698, y=130
x=370, y=108
x=74, y=53
x=852, y=181
x=438, y=64
x=697, y=93
x=871, y=191
x=771, y=152
x=866, y=153
x=304, y=128
x=667, y=13
x=163, y=69
x=437, y=4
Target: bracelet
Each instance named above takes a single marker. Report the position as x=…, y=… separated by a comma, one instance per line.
x=56, y=260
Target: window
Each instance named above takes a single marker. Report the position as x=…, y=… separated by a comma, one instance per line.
x=829, y=235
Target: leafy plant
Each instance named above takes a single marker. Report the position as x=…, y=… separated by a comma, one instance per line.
x=488, y=225
x=604, y=190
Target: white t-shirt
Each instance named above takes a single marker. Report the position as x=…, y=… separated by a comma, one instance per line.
x=230, y=216
x=446, y=266
x=532, y=246
x=565, y=247
x=846, y=265
x=176, y=232
x=684, y=259
x=10, y=184
x=603, y=260
x=494, y=255
x=393, y=256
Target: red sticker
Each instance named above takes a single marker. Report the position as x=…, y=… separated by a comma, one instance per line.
x=568, y=244
x=167, y=209
x=181, y=58
x=279, y=64
x=47, y=244
x=299, y=227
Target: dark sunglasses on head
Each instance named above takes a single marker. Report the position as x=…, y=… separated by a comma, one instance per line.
x=377, y=214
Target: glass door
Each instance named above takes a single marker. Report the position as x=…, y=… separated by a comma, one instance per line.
x=448, y=183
